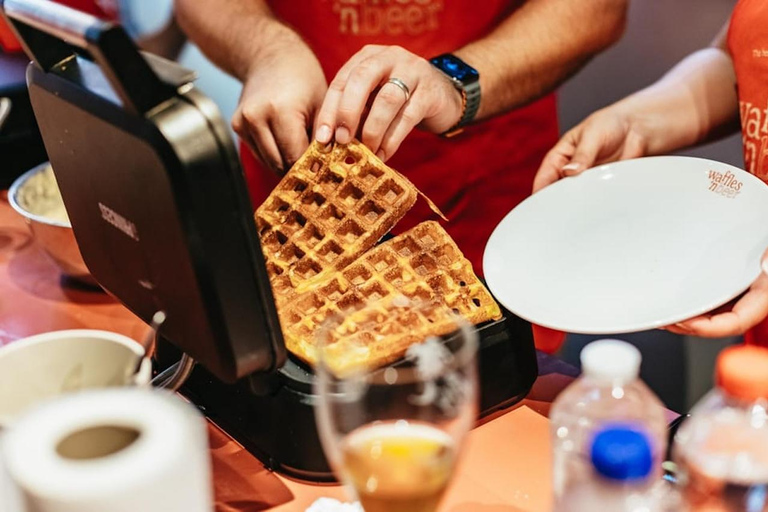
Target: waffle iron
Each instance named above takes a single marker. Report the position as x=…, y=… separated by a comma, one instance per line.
x=158, y=204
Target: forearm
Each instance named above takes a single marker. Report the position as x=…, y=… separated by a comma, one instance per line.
x=234, y=34
x=539, y=46
x=694, y=102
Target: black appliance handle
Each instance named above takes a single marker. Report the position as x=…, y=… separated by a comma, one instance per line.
x=51, y=32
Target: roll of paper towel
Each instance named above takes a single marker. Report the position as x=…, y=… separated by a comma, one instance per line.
x=111, y=450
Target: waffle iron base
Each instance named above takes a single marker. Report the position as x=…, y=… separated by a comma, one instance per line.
x=272, y=415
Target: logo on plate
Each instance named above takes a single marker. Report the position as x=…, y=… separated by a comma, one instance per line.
x=724, y=184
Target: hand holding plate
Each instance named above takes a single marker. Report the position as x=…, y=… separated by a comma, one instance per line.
x=606, y=136
x=735, y=318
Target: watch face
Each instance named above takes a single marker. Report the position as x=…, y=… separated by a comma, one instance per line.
x=456, y=68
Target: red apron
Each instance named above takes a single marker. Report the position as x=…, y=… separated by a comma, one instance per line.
x=475, y=178
x=748, y=45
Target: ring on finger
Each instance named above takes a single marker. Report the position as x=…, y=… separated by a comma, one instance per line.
x=402, y=86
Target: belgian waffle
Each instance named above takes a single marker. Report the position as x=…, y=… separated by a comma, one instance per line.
x=334, y=204
x=423, y=264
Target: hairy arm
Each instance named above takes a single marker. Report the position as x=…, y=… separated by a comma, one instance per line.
x=539, y=46
x=234, y=34
x=283, y=83
x=534, y=49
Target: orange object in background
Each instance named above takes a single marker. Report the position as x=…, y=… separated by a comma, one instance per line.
x=742, y=372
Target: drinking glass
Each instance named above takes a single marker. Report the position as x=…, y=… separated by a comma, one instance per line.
x=392, y=433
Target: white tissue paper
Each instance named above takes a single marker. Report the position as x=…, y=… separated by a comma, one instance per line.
x=111, y=450
x=332, y=505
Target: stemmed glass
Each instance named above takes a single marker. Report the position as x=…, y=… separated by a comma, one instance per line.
x=392, y=433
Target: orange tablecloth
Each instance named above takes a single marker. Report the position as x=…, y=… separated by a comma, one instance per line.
x=505, y=466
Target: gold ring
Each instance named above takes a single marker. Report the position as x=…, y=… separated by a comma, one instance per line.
x=402, y=87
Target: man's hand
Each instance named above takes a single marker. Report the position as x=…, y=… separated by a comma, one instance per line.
x=281, y=95
x=283, y=83
x=361, y=100
x=605, y=136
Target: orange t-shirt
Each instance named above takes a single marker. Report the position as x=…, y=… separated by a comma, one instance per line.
x=475, y=178
x=748, y=46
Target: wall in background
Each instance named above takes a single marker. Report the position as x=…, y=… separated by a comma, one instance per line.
x=659, y=34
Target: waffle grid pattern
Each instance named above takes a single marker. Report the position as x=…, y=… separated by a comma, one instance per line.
x=333, y=205
x=423, y=265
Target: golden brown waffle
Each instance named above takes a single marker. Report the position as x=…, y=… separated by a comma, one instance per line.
x=424, y=265
x=334, y=204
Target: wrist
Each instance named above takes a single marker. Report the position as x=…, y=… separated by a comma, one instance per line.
x=466, y=80
x=274, y=42
x=661, y=125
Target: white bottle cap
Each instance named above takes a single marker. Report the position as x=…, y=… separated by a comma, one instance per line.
x=611, y=360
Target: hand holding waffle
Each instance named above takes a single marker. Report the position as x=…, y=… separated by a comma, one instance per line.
x=402, y=91
x=279, y=100
x=318, y=229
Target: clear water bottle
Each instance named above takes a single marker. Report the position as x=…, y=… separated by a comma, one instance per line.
x=608, y=391
x=622, y=476
x=721, y=451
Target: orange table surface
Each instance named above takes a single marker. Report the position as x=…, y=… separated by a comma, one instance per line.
x=505, y=465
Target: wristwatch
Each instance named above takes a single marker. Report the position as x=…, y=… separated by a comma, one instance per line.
x=467, y=80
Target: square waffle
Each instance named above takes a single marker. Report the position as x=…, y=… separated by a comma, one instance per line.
x=423, y=265
x=334, y=204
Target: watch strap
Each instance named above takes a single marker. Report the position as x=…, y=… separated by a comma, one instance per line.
x=470, y=94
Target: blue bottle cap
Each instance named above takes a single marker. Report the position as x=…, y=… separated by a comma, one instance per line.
x=622, y=453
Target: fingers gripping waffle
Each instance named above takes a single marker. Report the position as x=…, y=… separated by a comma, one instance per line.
x=423, y=264
x=333, y=205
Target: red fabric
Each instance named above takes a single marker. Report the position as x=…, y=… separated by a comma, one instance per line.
x=476, y=177
x=105, y=9
x=748, y=45
x=8, y=42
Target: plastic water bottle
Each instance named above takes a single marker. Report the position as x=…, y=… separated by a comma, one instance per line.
x=609, y=391
x=622, y=475
x=722, y=450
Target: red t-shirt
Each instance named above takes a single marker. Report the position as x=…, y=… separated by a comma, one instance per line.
x=475, y=178
x=748, y=46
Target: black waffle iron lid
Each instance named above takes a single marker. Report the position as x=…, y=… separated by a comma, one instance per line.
x=153, y=187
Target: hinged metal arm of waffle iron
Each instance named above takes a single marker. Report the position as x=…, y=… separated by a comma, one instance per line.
x=153, y=187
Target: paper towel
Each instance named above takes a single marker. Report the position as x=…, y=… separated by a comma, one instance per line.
x=332, y=505
x=111, y=450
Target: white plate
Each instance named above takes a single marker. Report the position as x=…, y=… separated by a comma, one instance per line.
x=631, y=245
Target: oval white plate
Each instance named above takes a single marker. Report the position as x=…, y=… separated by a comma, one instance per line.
x=631, y=245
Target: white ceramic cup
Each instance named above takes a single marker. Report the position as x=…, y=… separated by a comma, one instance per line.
x=39, y=368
